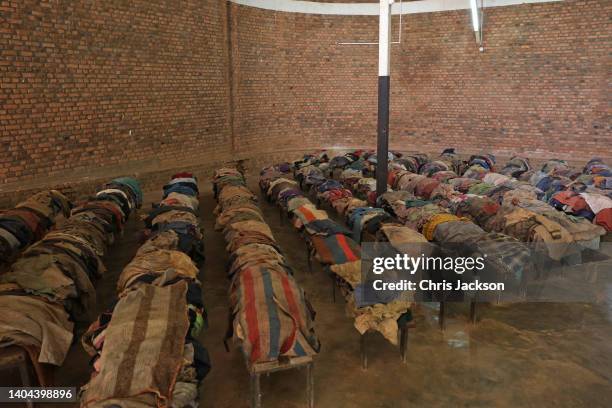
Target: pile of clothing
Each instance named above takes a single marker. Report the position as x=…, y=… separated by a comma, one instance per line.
x=435, y=206
x=51, y=285
x=538, y=222
x=271, y=318
x=516, y=167
x=144, y=349
x=29, y=221
x=336, y=248
x=510, y=192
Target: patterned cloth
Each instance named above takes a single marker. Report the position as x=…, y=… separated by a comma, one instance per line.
x=335, y=249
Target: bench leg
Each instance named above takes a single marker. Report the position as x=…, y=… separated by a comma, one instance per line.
x=25, y=380
x=310, y=384
x=255, y=391
x=363, y=351
x=404, y=343
x=473, y=312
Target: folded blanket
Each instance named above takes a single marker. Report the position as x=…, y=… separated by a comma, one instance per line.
x=335, y=249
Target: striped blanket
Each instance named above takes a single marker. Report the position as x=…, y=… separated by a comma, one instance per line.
x=335, y=249
x=143, y=349
x=271, y=318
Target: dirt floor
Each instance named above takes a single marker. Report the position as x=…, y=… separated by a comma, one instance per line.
x=537, y=355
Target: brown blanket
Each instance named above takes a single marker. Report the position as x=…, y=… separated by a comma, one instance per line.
x=143, y=349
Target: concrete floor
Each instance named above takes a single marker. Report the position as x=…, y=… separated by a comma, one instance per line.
x=557, y=355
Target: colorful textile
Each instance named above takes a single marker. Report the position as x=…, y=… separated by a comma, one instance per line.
x=270, y=317
x=430, y=228
x=335, y=249
x=308, y=213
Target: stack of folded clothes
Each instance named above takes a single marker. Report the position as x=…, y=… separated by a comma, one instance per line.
x=270, y=316
x=52, y=284
x=145, y=351
x=29, y=221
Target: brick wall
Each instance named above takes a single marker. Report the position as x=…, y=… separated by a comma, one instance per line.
x=98, y=88
x=94, y=89
x=540, y=88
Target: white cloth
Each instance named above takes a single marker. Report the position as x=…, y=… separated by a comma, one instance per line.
x=116, y=191
x=597, y=202
x=495, y=178
x=184, y=180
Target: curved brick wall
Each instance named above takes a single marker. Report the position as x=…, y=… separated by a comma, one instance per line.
x=104, y=87
x=540, y=87
x=95, y=89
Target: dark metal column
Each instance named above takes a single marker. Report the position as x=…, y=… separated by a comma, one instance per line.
x=384, y=52
x=382, y=146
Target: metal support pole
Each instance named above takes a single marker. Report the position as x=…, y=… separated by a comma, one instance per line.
x=384, y=47
x=255, y=391
x=404, y=343
x=363, y=351
x=310, y=384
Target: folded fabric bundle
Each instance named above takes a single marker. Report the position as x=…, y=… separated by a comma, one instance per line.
x=227, y=177
x=495, y=178
x=424, y=187
x=480, y=209
x=555, y=166
x=335, y=249
x=444, y=176
x=51, y=284
x=29, y=221
x=413, y=162
x=516, y=166
x=386, y=200
x=335, y=194
x=329, y=185
x=476, y=172
x=604, y=219
x=463, y=184
x=326, y=227
x=418, y=215
x=159, y=313
x=287, y=194
x=183, y=185
x=308, y=213
x=572, y=203
x=435, y=221
x=238, y=213
x=279, y=185
x=506, y=254
x=358, y=217
x=405, y=240
x=435, y=166
x=332, y=247
x=153, y=261
x=598, y=167
x=487, y=162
